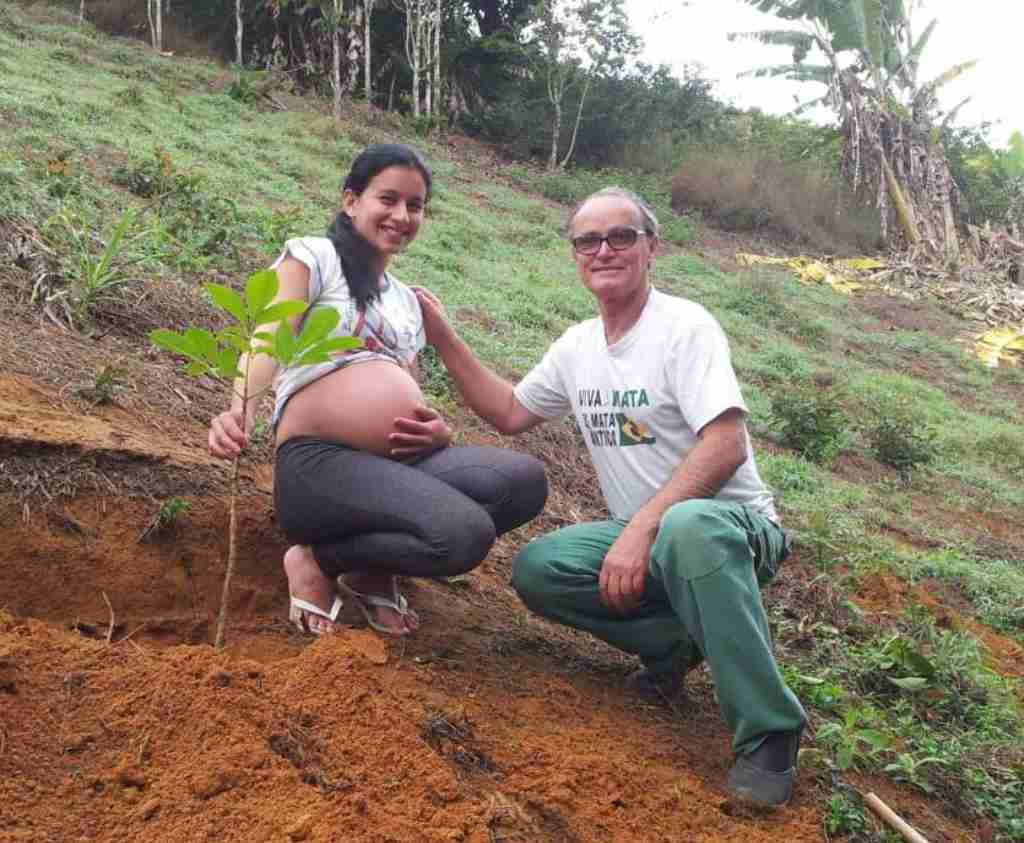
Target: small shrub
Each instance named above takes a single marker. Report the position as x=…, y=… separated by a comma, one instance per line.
x=786, y=365
x=811, y=420
x=170, y=510
x=165, y=520
x=898, y=437
x=109, y=380
x=844, y=816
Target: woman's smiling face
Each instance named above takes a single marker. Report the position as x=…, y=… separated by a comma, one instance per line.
x=389, y=212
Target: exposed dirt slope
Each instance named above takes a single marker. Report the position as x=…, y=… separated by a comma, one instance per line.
x=488, y=725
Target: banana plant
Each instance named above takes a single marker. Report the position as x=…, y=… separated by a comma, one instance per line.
x=218, y=354
x=867, y=54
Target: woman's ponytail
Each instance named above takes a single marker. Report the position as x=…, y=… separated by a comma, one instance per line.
x=358, y=260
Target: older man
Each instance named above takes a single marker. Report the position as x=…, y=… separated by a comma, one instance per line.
x=674, y=575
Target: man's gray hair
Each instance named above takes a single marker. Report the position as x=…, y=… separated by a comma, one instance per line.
x=649, y=221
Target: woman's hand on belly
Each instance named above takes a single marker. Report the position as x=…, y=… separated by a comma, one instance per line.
x=419, y=436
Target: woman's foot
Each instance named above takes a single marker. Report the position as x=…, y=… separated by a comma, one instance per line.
x=310, y=589
x=387, y=611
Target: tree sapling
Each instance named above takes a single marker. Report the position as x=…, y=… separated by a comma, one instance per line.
x=217, y=355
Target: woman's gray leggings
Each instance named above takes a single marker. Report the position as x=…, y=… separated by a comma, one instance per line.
x=436, y=517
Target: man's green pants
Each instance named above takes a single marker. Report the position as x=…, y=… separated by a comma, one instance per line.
x=703, y=590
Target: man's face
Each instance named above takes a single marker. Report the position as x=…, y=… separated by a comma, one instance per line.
x=613, y=275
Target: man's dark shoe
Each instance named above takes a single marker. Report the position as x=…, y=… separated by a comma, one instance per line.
x=765, y=777
x=666, y=684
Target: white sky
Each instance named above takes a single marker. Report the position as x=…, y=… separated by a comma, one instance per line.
x=990, y=30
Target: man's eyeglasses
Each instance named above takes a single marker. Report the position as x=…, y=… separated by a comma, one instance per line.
x=618, y=239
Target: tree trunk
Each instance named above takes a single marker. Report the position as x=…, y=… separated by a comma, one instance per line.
x=904, y=209
x=413, y=26
x=428, y=51
x=336, y=67
x=81, y=12
x=556, y=130
x=156, y=24
x=576, y=127
x=238, y=32
x=352, y=56
x=437, y=58
x=367, y=77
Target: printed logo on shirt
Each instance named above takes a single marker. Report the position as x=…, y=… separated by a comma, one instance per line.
x=613, y=429
x=632, y=432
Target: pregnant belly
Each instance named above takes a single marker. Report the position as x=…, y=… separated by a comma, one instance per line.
x=356, y=406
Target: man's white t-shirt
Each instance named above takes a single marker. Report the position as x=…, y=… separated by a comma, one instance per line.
x=641, y=401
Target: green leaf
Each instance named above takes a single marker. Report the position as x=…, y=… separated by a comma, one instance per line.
x=260, y=290
x=234, y=336
x=227, y=363
x=169, y=341
x=227, y=300
x=910, y=683
x=279, y=311
x=311, y=358
x=284, y=344
x=196, y=368
x=844, y=757
x=877, y=740
x=332, y=345
x=319, y=323
x=203, y=343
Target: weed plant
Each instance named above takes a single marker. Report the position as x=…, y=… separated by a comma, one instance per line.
x=898, y=437
x=811, y=420
x=92, y=278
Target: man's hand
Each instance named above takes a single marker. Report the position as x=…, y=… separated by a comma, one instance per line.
x=435, y=322
x=624, y=570
x=227, y=437
x=419, y=436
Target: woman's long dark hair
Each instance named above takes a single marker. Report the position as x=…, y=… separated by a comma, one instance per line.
x=358, y=256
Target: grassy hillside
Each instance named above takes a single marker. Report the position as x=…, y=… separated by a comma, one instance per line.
x=897, y=458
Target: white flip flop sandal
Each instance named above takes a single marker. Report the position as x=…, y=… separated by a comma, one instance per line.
x=299, y=610
x=368, y=602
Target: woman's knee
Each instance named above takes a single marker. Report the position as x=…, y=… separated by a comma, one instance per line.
x=527, y=493
x=470, y=540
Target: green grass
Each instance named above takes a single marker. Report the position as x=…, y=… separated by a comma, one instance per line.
x=493, y=249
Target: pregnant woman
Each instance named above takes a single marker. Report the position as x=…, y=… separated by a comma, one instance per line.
x=367, y=486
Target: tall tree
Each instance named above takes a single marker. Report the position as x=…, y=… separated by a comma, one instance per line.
x=890, y=121
x=239, y=30
x=367, y=65
x=419, y=28
x=577, y=40
x=155, y=13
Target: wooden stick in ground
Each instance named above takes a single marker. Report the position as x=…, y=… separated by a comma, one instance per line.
x=893, y=820
x=110, y=631
x=218, y=639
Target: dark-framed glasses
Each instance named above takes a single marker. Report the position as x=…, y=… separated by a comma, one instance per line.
x=618, y=239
